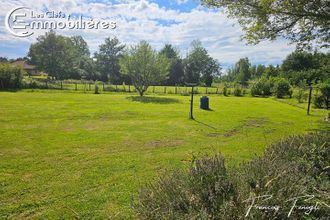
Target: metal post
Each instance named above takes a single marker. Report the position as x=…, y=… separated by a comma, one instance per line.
x=309, y=99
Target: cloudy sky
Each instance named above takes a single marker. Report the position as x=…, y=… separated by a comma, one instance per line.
x=177, y=22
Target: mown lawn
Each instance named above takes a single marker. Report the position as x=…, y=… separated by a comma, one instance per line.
x=69, y=155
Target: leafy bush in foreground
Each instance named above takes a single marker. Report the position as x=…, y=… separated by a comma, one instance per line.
x=323, y=100
x=291, y=168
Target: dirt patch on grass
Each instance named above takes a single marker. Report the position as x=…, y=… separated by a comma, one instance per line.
x=253, y=122
x=164, y=143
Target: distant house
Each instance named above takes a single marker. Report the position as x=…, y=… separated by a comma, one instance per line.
x=30, y=69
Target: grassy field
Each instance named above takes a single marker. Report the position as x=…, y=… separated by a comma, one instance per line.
x=65, y=154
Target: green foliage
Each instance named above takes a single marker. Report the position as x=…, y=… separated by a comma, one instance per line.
x=243, y=71
x=304, y=22
x=282, y=88
x=297, y=166
x=10, y=76
x=176, y=73
x=107, y=60
x=205, y=191
x=261, y=87
x=224, y=90
x=237, y=91
x=144, y=66
x=323, y=100
x=55, y=55
x=199, y=66
x=96, y=89
x=301, y=96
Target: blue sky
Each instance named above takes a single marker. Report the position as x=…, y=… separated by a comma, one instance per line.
x=177, y=22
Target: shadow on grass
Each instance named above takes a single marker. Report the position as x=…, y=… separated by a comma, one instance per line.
x=202, y=123
x=152, y=99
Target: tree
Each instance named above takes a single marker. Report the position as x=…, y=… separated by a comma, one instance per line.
x=243, y=69
x=54, y=54
x=81, y=46
x=88, y=69
x=176, y=75
x=306, y=67
x=144, y=66
x=199, y=66
x=107, y=60
x=302, y=21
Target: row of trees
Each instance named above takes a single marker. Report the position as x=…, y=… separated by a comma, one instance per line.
x=299, y=68
x=69, y=58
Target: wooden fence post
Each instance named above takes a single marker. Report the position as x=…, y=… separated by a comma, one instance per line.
x=165, y=90
x=129, y=88
x=76, y=87
x=61, y=85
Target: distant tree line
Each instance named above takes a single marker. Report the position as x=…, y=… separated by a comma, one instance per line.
x=70, y=58
x=299, y=68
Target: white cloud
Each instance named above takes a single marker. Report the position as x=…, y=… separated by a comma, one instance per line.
x=143, y=20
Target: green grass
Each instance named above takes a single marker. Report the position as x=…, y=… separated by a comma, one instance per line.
x=66, y=154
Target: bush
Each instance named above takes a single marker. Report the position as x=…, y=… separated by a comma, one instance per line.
x=224, y=91
x=96, y=89
x=297, y=166
x=282, y=88
x=323, y=100
x=237, y=91
x=301, y=96
x=261, y=87
x=10, y=76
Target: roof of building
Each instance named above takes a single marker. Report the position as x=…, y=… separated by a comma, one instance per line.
x=24, y=65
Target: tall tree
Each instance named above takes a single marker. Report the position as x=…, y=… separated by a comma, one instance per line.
x=243, y=71
x=107, y=60
x=145, y=66
x=302, y=21
x=81, y=46
x=176, y=74
x=54, y=54
x=199, y=66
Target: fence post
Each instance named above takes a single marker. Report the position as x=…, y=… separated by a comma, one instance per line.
x=129, y=88
x=216, y=92
x=153, y=89
x=176, y=89
x=89, y=86
x=103, y=86
x=309, y=99
x=165, y=90
x=76, y=87
x=61, y=85
x=116, y=88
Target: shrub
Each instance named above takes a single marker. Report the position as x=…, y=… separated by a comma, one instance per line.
x=237, y=91
x=261, y=87
x=96, y=89
x=301, y=96
x=297, y=166
x=10, y=76
x=323, y=100
x=224, y=91
x=282, y=88
x=205, y=191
